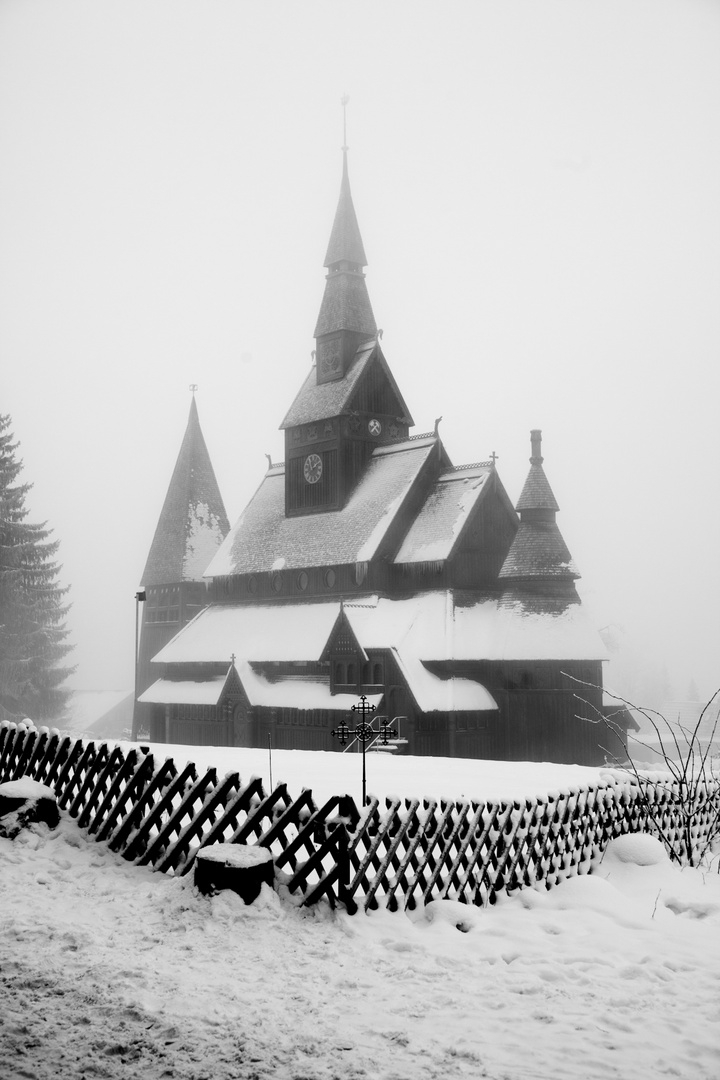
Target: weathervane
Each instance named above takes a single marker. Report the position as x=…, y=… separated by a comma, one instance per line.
x=364, y=732
x=343, y=101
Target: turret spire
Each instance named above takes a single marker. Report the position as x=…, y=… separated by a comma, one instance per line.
x=538, y=569
x=346, y=318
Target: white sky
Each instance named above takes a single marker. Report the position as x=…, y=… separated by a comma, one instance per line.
x=537, y=190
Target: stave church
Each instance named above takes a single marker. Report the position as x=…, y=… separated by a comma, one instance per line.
x=366, y=563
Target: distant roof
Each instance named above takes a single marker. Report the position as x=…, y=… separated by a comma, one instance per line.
x=264, y=539
x=193, y=522
x=444, y=514
x=321, y=401
x=421, y=629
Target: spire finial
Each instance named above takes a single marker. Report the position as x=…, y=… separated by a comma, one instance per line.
x=344, y=102
x=193, y=387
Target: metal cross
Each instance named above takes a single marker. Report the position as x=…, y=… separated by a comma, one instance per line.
x=193, y=386
x=494, y=457
x=364, y=732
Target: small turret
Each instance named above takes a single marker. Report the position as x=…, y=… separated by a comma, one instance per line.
x=538, y=563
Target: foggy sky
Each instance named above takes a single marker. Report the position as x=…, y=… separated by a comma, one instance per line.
x=537, y=189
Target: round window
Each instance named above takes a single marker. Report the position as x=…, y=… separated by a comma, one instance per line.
x=329, y=578
x=252, y=585
x=302, y=580
x=277, y=582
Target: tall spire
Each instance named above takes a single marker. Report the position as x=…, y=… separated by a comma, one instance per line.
x=193, y=522
x=346, y=318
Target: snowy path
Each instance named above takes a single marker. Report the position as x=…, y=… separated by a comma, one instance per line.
x=111, y=971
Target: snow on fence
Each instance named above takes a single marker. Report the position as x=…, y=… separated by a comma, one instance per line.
x=402, y=854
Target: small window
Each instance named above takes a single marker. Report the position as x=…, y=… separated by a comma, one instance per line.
x=377, y=674
x=351, y=674
x=277, y=582
x=339, y=674
x=330, y=578
x=252, y=584
x=302, y=581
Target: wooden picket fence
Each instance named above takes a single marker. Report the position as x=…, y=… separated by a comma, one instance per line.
x=402, y=854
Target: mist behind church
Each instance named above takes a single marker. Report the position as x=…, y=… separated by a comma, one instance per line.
x=538, y=198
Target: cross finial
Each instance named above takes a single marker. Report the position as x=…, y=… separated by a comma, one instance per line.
x=232, y=659
x=193, y=387
x=344, y=101
x=494, y=457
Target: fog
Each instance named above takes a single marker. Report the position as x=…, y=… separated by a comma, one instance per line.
x=537, y=190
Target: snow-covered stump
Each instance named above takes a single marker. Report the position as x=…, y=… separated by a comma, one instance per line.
x=25, y=801
x=244, y=868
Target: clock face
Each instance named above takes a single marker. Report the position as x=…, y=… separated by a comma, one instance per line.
x=312, y=469
x=374, y=427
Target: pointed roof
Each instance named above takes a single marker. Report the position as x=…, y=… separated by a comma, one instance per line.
x=345, y=303
x=536, y=493
x=193, y=522
x=320, y=401
x=345, y=241
x=538, y=550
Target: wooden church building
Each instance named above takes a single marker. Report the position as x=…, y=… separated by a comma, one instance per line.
x=366, y=563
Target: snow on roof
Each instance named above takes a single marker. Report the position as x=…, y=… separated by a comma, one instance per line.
x=493, y=632
x=433, y=694
x=437, y=527
x=263, y=534
x=270, y=632
x=184, y=692
x=295, y=693
x=420, y=628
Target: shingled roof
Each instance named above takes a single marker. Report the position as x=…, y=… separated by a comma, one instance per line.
x=193, y=522
x=265, y=539
x=443, y=516
x=538, y=550
x=321, y=401
x=345, y=243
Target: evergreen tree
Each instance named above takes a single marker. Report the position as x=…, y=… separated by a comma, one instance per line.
x=32, y=603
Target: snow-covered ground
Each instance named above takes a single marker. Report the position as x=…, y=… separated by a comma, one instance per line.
x=328, y=774
x=108, y=970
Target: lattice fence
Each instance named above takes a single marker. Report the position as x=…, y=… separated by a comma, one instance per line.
x=402, y=854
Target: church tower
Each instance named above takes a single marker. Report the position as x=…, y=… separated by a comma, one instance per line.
x=192, y=525
x=349, y=403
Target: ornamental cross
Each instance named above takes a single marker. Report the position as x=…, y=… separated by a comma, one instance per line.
x=494, y=457
x=364, y=732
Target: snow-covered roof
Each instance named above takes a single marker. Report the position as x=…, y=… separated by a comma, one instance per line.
x=429, y=627
x=184, y=691
x=438, y=526
x=255, y=632
x=264, y=539
x=433, y=694
x=295, y=693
